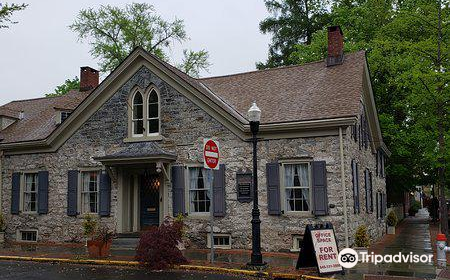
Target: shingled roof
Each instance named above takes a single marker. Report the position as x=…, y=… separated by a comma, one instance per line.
x=39, y=116
x=295, y=93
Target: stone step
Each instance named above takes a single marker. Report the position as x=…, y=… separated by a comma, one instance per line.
x=125, y=243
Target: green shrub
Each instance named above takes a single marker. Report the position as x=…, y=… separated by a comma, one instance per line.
x=391, y=219
x=414, y=208
x=89, y=225
x=362, y=237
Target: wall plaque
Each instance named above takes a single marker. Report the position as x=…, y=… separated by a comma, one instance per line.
x=244, y=186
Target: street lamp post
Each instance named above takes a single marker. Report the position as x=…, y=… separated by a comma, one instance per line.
x=254, y=116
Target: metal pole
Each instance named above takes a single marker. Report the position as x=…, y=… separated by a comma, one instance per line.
x=256, y=257
x=210, y=175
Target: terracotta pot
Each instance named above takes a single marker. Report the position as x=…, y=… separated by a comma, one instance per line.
x=98, y=248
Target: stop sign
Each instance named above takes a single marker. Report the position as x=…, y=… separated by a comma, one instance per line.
x=211, y=154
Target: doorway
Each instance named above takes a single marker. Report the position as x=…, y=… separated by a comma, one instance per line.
x=149, y=194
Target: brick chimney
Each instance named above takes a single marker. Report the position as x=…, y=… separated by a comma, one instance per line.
x=335, y=46
x=89, y=78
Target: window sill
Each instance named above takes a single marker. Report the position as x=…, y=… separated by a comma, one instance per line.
x=30, y=213
x=298, y=214
x=143, y=139
x=199, y=216
x=294, y=250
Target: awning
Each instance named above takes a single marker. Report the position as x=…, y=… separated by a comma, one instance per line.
x=135, y=153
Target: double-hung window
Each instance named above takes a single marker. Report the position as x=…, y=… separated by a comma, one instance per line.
x=297, y=186
x=153, y=113
x=138, y=115
x=30, y=190
x=89, y=191
x=199, y=191
x=144, y=116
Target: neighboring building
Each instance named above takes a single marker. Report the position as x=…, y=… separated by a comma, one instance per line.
x=129, y=150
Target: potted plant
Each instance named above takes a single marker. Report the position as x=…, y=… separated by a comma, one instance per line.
x=2, y=229
x=99, y=239
x=391, y=221
x=362, y=240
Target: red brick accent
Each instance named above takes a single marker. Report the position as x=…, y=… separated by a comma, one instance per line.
x=89, y=78
x=335, y=45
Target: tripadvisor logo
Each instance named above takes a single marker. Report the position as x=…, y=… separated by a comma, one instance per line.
x=348, y=258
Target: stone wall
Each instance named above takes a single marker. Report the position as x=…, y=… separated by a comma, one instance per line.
x=183, y=126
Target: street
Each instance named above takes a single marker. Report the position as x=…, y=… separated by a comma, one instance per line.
x=43, y=271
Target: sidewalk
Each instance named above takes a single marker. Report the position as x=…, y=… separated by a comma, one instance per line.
x=412, y=235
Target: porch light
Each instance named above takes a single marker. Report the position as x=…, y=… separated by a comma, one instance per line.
x=254, y=113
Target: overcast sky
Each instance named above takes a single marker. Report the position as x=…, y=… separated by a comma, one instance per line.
x=40, y=52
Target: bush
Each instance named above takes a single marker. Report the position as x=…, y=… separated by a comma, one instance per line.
x=391, y=219
x=89, y=225
x=157, y=247
x=2, y=223
x=414, y=208
x=362, y=237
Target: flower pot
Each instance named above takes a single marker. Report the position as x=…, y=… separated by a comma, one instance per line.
x=361, y=251
x=98, y=248
x=390, y=230
x=2, y=237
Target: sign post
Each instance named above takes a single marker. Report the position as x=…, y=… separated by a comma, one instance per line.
x=319, y=248
x=211, y=160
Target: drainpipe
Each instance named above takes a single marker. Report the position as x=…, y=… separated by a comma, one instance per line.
x=344, y=192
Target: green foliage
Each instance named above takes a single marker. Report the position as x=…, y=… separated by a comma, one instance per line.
x=114, y=32
x=409, y=78
x=68, y=85
x=391, y=219
x=90, y=225
x=6, y=11
x=2, y=223
x=194, y=62
x=414, y=208
x=291, y=22
x=362, y=237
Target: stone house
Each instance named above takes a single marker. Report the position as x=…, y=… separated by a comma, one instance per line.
x=129, y=150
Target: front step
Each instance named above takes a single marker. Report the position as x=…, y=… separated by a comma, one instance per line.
x=125, y=242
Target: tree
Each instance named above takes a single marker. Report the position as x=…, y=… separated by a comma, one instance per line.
x=68, y=85
x=114, y=32
x=291, y=22
x=6, y=11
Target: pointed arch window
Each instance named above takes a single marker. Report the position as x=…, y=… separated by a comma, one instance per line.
x=153, y=113
x=138, y=114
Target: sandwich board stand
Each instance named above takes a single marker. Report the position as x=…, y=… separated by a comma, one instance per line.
x=319, y=248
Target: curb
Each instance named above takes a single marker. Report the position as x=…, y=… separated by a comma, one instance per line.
x=182, y=267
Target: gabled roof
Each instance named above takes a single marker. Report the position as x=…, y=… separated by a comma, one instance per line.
x=296, y=93
x=293, y=99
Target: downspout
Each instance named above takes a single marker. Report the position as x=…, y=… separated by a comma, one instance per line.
x=344, y=192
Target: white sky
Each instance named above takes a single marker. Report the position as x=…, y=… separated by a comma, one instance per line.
x=40, y=52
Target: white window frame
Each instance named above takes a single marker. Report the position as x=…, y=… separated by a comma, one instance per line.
x=188, y=193
x=283, y=198
x=133, y=120
x=295, y=245
x=149, y=92
x=19, y=235
x=81, y=193
x=219, y=235
x=22, y=191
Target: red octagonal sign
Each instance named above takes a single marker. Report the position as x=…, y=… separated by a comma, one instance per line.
x=211, y=154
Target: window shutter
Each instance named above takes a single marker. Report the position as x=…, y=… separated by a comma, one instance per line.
x=366, y=184
x=377, y=162
x=378, y=208
x=42, y=192
x=72, y=192
x=105, y=194
x=384, y=205
x=178, y=190
x=15, y=193
x=273, y=188
x=219, y=194
x=319, y=188
x=371, y=191
x=355, y=187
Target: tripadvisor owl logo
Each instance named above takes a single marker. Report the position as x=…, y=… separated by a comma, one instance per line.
x=348, y=258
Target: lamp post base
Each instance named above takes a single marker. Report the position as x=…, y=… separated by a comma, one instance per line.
x=257, y=266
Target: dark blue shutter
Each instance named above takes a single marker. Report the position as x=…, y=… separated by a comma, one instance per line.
x=378, y=208
x=72, y=192
x=42, y=192
x=377, y=162
x=219, y=194
x=105, y=194
x=273, y=188
x=319, y=188
x=178, y=182
x=15, y=193
x=355, y=191
x=357, y=187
